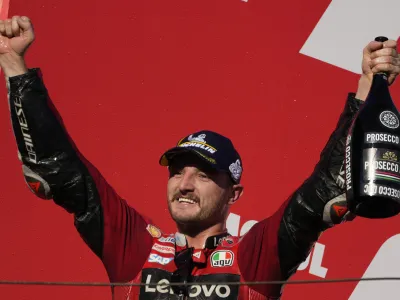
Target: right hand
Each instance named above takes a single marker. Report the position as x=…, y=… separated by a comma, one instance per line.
x=16, y=35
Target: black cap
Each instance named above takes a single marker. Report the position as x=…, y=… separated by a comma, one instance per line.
x=214, y=148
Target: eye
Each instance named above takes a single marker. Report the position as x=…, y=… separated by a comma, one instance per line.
x=173, y=172
x=203, y=175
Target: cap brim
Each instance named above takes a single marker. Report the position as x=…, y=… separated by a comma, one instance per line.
x=171, y=153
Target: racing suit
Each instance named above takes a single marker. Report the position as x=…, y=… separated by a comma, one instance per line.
x=134, y=250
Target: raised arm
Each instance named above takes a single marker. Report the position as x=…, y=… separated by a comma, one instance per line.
x=281, y=242
x=320, y=202
x=54, y=168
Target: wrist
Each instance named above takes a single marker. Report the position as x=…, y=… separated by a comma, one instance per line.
x=12, y=65
x=364, y=85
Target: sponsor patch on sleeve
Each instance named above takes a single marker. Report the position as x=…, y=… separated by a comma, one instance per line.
x=154, y=231
x=155, y=258
x=163, y=248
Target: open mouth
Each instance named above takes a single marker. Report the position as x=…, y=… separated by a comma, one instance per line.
x=186, y=200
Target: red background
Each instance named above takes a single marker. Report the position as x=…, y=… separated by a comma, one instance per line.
x=130, y=78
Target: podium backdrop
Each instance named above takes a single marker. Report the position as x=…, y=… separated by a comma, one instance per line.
x=130, y=78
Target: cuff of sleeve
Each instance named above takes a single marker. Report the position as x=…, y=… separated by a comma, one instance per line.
x=353, y=103
x=32, y=73
x=17, y=83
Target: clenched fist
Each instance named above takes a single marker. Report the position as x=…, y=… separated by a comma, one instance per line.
x=16, y=35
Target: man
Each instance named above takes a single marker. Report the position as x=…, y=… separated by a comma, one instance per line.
x=204, y=181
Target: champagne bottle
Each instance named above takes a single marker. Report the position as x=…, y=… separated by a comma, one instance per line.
x=372, y=158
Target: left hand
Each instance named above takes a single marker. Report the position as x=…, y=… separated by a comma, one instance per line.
x=378, y=57
x=381, y=57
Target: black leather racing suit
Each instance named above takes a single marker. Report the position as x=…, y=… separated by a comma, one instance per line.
x=133, y=250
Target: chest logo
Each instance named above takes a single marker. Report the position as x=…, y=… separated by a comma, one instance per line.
x=154, y=258
x=163, y=249
x=222, y=258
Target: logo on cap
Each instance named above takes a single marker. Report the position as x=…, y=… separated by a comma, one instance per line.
x=199, y=138
x=198, y=142
x=236, y=169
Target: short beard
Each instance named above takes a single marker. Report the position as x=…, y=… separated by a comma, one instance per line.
x=195, y=225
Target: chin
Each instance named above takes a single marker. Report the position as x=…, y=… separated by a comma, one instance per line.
x=185, y=218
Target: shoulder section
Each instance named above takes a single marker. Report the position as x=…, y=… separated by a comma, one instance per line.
x=229, y=242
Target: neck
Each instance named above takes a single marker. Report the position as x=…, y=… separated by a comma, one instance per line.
x=196, y=237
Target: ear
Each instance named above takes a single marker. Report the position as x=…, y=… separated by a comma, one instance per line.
x=236, y=193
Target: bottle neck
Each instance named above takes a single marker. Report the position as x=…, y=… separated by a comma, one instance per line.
x=383, y=76
x=379, y=93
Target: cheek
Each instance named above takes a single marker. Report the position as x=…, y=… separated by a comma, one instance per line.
x=213, y=196
x=171, y=188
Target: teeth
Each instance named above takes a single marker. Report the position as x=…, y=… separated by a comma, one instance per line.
x=186, y=200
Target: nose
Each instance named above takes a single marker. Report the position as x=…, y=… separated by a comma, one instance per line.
x=186, y=185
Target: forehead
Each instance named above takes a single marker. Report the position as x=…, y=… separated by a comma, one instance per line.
x=187, y=159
